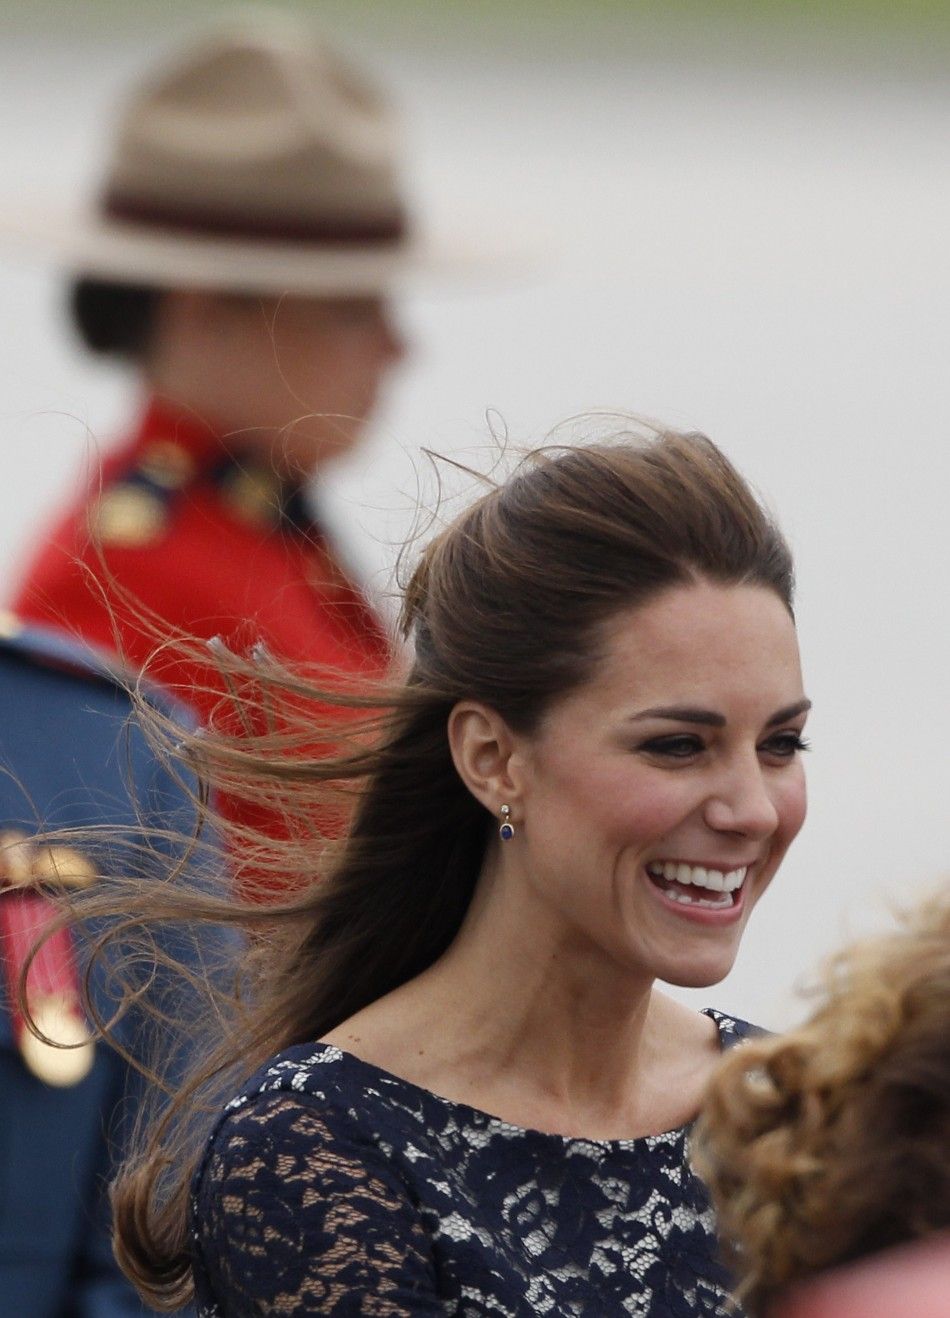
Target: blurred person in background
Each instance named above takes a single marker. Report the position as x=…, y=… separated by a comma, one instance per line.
x=249, y=232
x=72, y=760
x=831, y=1143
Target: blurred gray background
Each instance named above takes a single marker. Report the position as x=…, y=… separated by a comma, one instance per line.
x=743, y=228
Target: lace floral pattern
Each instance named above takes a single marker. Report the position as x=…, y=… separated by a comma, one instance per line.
x=331, y=1187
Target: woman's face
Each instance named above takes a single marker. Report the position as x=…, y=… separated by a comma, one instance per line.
x=657, y=801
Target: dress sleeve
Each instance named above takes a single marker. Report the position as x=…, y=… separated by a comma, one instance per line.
x=296, y=1215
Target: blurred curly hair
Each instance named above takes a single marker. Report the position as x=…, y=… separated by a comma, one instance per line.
x=832, y=1142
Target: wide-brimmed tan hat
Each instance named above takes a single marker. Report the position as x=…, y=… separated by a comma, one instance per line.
x=256, y=160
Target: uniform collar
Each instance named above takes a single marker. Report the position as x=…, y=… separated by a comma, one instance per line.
x=181, y=439
x=173, y=449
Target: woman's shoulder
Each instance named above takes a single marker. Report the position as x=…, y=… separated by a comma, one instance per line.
x=301, y=1069
x=306, y=1078
x=307, y=1113
x=732, y=1029
x=297, y=1195
x=316, y=1092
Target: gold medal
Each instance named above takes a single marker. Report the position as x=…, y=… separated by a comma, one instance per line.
x=127, y=516
x=16, y=859
x=167, y=464
x=62, y=867
x=10, y=625
x=253, y=493
x=23, y=863
x=57, y=1016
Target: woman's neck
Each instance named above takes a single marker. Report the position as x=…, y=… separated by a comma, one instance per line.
x=522, y=1021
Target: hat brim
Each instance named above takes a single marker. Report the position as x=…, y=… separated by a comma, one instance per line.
x=87, y=244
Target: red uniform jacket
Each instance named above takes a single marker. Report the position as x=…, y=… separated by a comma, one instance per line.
x=208, y=542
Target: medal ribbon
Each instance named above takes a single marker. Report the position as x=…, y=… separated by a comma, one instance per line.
x=27, y=912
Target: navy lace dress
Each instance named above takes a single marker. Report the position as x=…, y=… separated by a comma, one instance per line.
x=331, y=1187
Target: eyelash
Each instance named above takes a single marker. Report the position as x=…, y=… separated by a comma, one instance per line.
x=680, y=746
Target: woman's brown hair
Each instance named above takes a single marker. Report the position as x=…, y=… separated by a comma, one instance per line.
x=506, y=606
x=832, y=1142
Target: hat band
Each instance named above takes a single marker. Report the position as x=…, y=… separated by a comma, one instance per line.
x=330, y=231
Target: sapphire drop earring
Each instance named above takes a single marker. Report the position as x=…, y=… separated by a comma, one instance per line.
x=507, y=829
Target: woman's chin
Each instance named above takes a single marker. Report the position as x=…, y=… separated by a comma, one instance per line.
x=697, y=973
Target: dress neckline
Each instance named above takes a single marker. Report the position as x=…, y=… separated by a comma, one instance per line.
x=726, y=1028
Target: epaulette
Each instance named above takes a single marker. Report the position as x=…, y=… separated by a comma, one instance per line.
x=256, y=494
x=58, y=650
x=133, y=510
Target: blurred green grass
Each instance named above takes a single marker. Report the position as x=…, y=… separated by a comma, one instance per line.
x=890, y=13
x=835, y=28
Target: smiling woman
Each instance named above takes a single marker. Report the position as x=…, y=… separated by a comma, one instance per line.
x=661, y=795
x=459, y=1089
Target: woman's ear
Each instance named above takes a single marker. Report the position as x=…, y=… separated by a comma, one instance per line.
x=484, y=751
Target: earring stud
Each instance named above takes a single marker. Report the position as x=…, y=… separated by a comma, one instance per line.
x=506, y=830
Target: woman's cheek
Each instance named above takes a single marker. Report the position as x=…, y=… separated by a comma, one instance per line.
x=794, y=806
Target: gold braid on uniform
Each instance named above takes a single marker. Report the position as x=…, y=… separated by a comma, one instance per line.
x=830, y=1142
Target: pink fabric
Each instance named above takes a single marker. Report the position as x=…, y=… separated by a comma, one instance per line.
x=910, y=1282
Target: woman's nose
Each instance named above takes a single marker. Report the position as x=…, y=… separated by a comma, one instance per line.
x=742, y=803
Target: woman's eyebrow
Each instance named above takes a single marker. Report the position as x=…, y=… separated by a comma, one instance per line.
x=683, y=714
x=711, y=719
x=789, y=712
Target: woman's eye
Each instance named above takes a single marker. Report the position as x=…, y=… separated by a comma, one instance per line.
x=786, y=744
x=678, y=747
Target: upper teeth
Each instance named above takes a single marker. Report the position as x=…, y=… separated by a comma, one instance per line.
x=716, y=880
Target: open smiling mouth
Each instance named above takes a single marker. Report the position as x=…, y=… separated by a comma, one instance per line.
x=692, y=885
